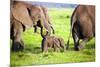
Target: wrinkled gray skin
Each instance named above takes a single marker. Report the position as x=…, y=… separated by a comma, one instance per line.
x=52, y=42
x=23, y=17
x=45, y=11
x=82, y=25
x=16, y=35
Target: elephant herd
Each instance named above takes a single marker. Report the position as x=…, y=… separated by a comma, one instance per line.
x=25, y=15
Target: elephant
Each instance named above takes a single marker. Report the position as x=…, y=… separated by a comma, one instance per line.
x=22, y=18
x=18, y=24
x=34, y=12
x=52, y=42
x=45, y=11
x=82, y=25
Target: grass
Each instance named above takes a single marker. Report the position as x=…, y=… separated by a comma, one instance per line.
x=32, y=54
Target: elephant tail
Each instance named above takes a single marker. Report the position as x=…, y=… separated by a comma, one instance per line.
x=72, y=25
x=73, y=21
x=67, y=45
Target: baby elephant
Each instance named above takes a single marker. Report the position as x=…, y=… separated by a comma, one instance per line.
x=52, y=42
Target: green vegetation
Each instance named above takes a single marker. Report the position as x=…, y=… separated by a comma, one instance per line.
x=32, y=55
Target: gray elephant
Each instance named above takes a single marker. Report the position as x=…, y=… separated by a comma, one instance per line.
x=52, y=42
x=25, y=16
x=36, y=12
x=45, y=11
x=83, y=25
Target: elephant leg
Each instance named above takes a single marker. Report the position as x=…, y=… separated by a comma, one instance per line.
x=62, y=44
x=57, y=46
x=11, y=32
x=22, y=45
x=44, y=45
x=55, y=49
x=42, y=32
x=83, y=43
x=76, y=40
x=63, y=47
x=35, y=29
x=45, y=48
x=17, y=46
x=17, y=43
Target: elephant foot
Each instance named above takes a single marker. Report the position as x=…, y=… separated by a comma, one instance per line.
x=35, y=31
x=67, y=46
x=80, y=47
x=17, y=47
x=76, y=48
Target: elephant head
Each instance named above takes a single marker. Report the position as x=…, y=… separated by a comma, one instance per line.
x=39, y=15
x=20, y=12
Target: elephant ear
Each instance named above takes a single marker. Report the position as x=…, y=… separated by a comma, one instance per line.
x=20, y=13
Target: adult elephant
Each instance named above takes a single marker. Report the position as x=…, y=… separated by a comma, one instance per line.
x=45, y=11
x=25, y=16
x=82, y=25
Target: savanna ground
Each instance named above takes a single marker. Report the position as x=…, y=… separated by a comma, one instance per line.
x=32, y=54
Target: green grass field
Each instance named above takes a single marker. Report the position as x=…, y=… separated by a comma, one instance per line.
x=32, y=54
